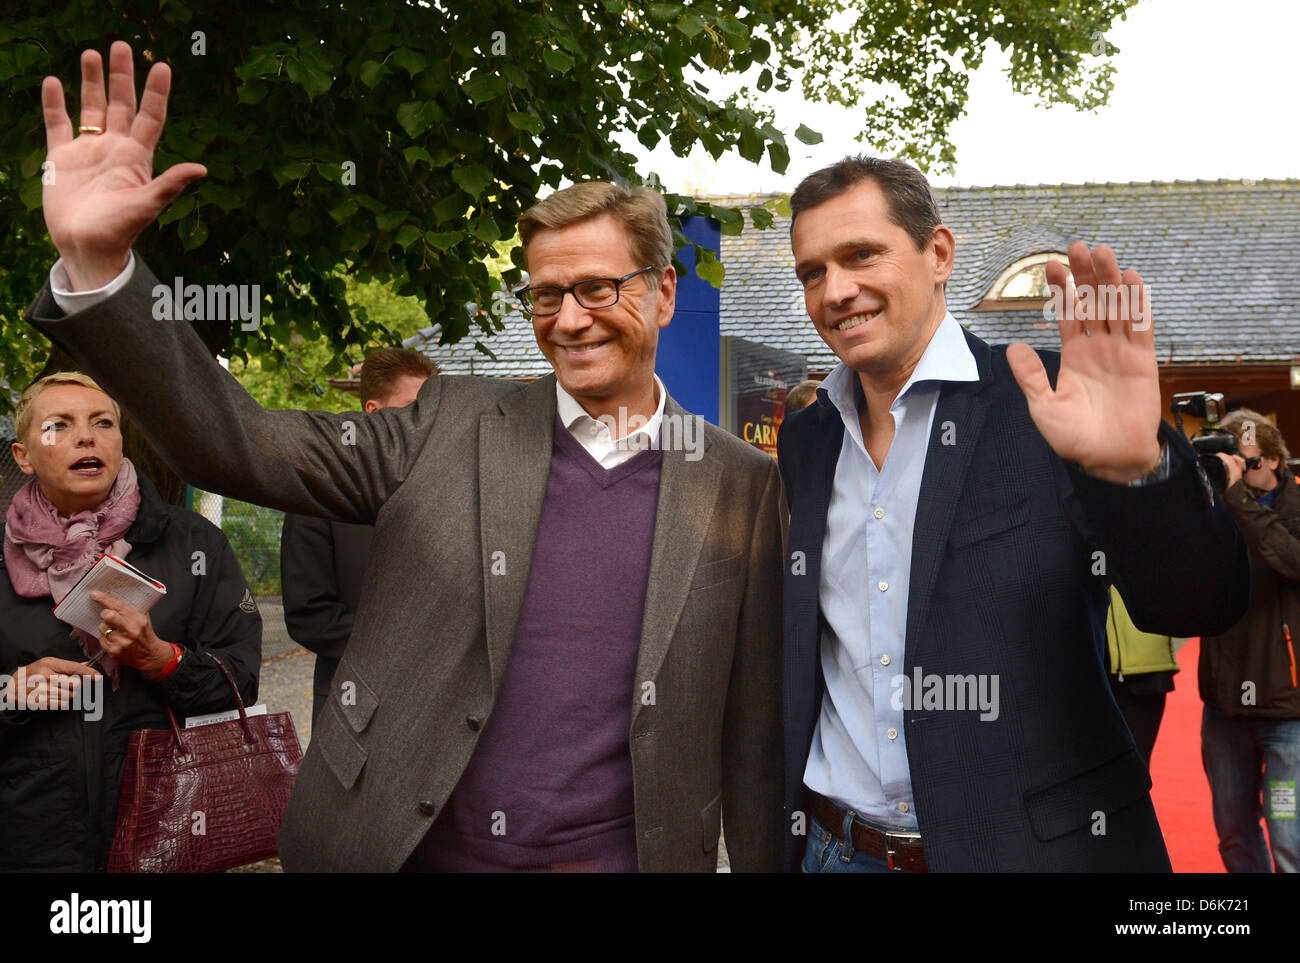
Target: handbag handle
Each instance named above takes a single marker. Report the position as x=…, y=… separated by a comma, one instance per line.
x=250, y=740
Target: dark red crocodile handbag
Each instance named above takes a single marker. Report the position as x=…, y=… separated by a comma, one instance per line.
x=205, y=799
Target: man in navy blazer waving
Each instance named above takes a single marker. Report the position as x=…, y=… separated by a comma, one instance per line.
x=958, y=511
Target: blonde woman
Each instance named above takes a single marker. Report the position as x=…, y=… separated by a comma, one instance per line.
x=72, y=699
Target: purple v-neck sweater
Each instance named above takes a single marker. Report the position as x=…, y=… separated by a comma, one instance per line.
x=549, y=786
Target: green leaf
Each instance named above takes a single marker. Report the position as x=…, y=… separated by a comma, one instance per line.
x=415, y=116
x=473, y=178
x=390, y=219
x=292, y=171
x=416, y=153
x=30, y=193
x=641, y=70
x=450, y=207
x=692, y=25
x=522, y=121
x=663, y=12
x=516, y=75
x=345, y=210
x=808, y=135
x=408, y=59
x=764, y=81
x=407, y=235
x=484, y=86
x=253, y=92
x=219, y=194
x=731, y=221
x=708, y=267
x=31, y=164
x=557, y=60
x=761, y=217
x=779, y=157
x=183, y=206
x=371, y=73
x=259, y=65
x=486, y=229
x=193, y=234
x=442, y=241
x=308, y=76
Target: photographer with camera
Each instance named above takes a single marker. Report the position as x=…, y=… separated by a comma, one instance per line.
x=1250, y=729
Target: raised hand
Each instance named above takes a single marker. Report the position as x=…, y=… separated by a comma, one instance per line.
x=1105, y=411
x=103, y=192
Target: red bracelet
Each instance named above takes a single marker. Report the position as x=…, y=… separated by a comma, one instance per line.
x=170, y=667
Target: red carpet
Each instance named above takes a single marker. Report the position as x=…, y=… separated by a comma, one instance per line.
x=1179, y=791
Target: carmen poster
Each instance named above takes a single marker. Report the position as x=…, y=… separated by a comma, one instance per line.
x=755, y=380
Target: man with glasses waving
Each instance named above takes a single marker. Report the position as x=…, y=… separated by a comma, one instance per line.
x=567, y=650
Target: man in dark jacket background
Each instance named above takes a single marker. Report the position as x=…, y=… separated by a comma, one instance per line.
x=1250, y=728
x=323, y=561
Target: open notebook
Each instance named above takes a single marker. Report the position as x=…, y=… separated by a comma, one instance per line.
x=114, y=577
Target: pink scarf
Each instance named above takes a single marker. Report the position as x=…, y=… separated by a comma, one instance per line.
x=46, y=554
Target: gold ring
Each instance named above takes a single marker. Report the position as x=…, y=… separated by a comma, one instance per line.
x=108, y=631
x=89, y=129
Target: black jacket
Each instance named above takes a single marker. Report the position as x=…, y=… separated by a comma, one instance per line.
x=60, y=774
x=322, y=563
x=1255, y=650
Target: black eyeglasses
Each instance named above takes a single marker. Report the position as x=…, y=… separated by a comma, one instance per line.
x=591, y=293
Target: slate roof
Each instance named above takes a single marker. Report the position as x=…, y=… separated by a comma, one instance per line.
x=1217, y=257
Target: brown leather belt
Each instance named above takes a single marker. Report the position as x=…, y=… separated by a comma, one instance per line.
x=902, y=850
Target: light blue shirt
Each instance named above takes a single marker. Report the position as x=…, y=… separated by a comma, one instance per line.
x=859, y=756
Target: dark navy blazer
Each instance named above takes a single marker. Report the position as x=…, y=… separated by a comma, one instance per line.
x=1002, y=582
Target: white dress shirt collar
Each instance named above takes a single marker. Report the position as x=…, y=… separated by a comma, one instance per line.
x=594, y=435
x=946, y=358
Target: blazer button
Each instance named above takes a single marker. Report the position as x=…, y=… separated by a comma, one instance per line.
x=474, y=723
x=427, y=807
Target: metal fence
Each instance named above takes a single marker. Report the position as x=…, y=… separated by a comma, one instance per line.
x=11, y=477
x=253, y=532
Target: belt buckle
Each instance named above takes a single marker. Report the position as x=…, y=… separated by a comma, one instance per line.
x=889, y=849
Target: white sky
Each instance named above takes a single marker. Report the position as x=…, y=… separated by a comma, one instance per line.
x=1203, y=89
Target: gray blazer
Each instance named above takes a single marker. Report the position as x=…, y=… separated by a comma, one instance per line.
x=448, y=482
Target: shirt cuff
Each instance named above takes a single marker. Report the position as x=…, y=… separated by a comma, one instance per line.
x=70, y=301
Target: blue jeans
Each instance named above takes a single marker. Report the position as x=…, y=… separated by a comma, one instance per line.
x=826, y=854
x=1253, y=766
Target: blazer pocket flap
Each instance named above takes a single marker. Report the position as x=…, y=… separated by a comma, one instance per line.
x=991, y=523
x=340, y=749
x=353, y=697
x=1075, y=802
x=711, y=573
x=711, y=820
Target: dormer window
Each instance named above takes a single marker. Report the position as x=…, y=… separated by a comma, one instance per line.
x=1023, y=285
